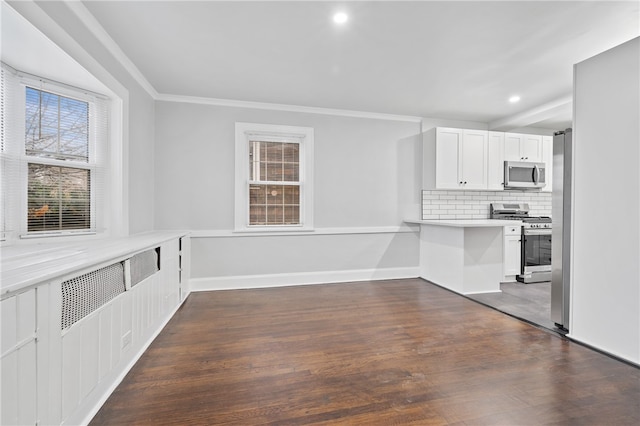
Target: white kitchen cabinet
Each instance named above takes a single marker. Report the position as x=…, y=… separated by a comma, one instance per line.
x=448, y=144
x=474, y=159
x=511, y=252
x=495, y=161
x=460, y=158
x=547, y=159
x=522, y=147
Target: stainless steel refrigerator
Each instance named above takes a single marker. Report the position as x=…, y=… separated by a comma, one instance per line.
x=561, y=226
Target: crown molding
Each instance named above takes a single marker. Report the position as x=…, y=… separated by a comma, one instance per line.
x=92, y=24
x=286, y=107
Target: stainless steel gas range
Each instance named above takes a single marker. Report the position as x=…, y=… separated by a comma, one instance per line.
x=535, y=248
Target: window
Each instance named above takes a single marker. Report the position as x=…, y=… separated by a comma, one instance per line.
x=54, y=155
x=273, y=177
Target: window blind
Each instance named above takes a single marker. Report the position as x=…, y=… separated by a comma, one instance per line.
x=55, y=151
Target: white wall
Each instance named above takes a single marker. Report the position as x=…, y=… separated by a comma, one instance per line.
x=366, y=181
x=605, y=284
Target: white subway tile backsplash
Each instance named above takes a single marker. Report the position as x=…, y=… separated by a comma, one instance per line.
x=475, y=204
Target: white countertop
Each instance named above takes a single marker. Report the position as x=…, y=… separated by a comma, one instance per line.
x=27, y=265
x=467, y=223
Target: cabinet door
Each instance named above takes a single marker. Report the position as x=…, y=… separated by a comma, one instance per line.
x=495, y=161
x=474, y=159
x=511, y=255
x=531, y=148
x=448, y=158
x=547, y=159
x=512, y=142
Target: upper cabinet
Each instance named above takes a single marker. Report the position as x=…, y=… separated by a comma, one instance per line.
x=495, y=161
x=460, y=159
x=474, y=159
x=520, y=147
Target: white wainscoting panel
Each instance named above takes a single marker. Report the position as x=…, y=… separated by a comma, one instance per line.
x=19, y=363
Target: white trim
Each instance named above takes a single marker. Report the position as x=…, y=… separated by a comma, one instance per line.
x=92, y=24
x=478, y=292
x=216, y=233
x=285, y=107
x=303, y=278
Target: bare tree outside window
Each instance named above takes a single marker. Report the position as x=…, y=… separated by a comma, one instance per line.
x=56, y=126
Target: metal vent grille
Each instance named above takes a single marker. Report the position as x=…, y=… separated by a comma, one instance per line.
x=86, y=293
x=144, y=264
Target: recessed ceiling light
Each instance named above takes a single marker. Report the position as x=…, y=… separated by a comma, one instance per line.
x=514, y=99
x=340, y=18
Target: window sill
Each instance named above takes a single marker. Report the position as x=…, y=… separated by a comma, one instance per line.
x=285, y=230
x=56, y=234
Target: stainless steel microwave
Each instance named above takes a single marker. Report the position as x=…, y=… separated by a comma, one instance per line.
x=524, y=175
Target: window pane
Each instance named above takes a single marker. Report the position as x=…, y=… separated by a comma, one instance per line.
x=274, y=151
x=58, y=198
x=257, y=194
x=291, y=194
x=274, y=172
x=56, y=126
x=258, y=215
x=274, y=205
x=291, y=153
x=290, y=172
x=275, y=195
x=292, y=215
x=275, y=215
x=274, y=161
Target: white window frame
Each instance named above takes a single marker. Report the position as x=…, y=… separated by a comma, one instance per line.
x=101, y=164
x=273, y=133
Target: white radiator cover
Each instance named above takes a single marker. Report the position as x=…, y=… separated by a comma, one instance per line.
x=68, y=341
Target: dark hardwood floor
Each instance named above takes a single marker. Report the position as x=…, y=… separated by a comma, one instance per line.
x=371, y=353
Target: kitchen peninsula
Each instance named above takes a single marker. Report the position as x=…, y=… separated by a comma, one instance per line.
x=463, y=255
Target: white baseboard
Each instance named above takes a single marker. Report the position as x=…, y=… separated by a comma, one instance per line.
x=305, y=278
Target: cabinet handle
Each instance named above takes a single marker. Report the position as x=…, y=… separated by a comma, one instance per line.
x=465, y=182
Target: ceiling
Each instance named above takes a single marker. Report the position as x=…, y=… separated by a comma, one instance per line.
x=456, y=60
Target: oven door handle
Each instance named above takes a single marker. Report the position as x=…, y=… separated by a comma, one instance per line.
x=545, y=231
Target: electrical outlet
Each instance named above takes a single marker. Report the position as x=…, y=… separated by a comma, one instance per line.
x=126, y=340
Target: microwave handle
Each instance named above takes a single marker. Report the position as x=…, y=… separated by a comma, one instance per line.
x=536, y=174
